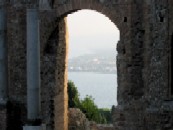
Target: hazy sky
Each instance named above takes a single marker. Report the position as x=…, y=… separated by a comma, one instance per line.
x=90, y=31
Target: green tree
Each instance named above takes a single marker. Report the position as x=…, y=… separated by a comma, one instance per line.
x=87, y=105
x=73, y=95
x=91, y=110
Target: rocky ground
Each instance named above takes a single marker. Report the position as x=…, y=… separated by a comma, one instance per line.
x=78, y=121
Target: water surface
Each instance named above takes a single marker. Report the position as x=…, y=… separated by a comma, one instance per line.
x=102, y=87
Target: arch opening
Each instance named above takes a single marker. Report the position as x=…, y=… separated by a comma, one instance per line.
x=59, y=59
x=92, y=56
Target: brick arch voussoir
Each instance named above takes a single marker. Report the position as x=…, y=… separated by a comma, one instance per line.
x=75, y=5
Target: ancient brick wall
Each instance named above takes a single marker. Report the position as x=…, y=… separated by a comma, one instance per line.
x=61, y=97
x=158, y=66
x=3, y=117
x=144, y=62
x=16, y=38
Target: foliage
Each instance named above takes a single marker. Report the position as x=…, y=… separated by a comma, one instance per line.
x=91, y=110
x=73, y=95
x=87, y=106
x=105, y=112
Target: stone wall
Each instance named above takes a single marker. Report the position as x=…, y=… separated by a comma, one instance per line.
x=144, y=62
x=16, y=39
x=77, y=120
x=94, y=126
x=54, y=47
x=61, y=97
x=3, y=117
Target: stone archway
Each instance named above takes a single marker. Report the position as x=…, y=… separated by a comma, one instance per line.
x=144, y=61
x=141, y=61
x=117, y=12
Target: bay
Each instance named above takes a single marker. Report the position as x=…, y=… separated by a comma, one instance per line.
x=102, y=87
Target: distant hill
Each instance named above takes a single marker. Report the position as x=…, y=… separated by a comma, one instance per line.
x=103, y=61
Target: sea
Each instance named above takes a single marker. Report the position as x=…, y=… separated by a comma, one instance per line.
x=102, y=87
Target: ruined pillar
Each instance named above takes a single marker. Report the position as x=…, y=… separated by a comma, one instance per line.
x=61, y=99
x=33, y=65
x=33, y=71
x=3, y=54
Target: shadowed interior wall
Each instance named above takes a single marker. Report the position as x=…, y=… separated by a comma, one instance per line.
x=54, y=77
